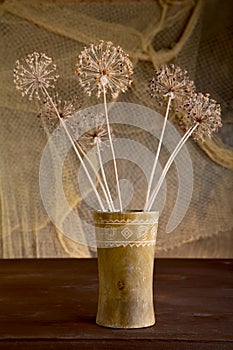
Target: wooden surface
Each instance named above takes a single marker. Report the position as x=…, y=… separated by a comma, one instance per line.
x=51, y=304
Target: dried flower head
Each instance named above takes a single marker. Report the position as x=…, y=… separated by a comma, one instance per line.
x=34, y=74
x=172, y=81
x=97, y=130
x=204, y=111
x=104, y=66
x=65, y=108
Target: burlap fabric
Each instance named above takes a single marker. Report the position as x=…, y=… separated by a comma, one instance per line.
x=197, y=35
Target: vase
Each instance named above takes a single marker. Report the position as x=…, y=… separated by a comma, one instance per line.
x=125, y=247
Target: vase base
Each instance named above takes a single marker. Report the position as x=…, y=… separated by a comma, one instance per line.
x=125, y=326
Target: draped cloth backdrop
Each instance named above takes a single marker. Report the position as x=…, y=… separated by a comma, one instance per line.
x=195, y=34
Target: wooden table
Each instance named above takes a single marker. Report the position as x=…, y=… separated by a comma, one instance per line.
x=51, y=304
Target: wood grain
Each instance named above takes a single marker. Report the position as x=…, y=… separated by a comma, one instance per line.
x=125, y=287
x=52, y=304
x=126, y=269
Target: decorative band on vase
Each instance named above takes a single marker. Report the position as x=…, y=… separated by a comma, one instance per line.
x=125, y=229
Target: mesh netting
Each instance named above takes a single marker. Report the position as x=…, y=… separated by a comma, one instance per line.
x=196, y=35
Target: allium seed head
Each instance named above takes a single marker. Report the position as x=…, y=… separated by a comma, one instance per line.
x=204, y=111
x=97, y=130
x=104, y=66
x=65, y=109
x=34, y=74
x=171, y=81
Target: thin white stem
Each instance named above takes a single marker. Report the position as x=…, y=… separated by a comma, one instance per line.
x=158, y=152
x=96, y=173
x=112, y=149
x=103, y=175
x=80, y=149
x=76, y=150
x=168, y=165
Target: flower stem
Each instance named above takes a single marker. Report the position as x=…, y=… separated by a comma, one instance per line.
x=158, y=152
x=168, y=165
x=96, y=174
x=112, y=149
x=76, y=150
x=104, y=176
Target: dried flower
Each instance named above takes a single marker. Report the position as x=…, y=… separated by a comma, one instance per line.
x=204, y=111
x=65, y=108
x=172, y=81
x=104, y=66
x=35, y=76
x=97, y=130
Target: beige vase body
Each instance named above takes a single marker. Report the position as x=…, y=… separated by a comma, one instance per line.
x=126, y=247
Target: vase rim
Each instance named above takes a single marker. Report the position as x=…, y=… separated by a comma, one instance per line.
x=122, y=229
x=130, y=214
x=136, y=211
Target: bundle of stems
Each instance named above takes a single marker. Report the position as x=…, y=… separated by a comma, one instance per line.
x=103, y=69
x=203, y=116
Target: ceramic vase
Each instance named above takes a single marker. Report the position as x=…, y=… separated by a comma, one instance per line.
x=126, y=247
